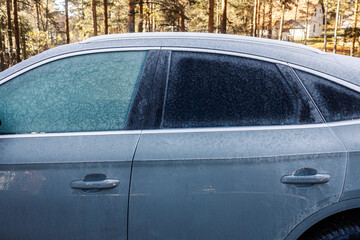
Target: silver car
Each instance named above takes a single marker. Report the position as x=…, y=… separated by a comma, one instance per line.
x=180, y=136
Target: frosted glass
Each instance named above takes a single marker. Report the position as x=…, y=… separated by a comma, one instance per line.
x=213, y=90
x=82, y=93
x=335, y=102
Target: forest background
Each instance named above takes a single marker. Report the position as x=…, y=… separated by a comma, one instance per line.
x=28, y=27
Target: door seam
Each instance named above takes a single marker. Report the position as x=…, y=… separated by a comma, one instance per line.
x=129, y=191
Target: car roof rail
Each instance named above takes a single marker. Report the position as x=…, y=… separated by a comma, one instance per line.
x=205, y=36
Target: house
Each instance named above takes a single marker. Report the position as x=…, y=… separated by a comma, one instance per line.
x=309, y=22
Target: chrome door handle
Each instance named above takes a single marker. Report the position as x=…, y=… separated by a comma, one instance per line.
x=315, y=179
x=88, y=185
x=306, y=176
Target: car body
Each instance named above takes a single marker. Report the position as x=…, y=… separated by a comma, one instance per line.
x=178, y=136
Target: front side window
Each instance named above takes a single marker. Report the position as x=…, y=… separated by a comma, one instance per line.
x=82, y=93
x=213, y=90
x=335, y=102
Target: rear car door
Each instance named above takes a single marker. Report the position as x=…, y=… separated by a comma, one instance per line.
x=69, y=129
x=235, y=149
x=339, y=101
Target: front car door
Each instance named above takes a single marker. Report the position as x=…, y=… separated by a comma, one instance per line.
x=235, y=150
x=69, y=129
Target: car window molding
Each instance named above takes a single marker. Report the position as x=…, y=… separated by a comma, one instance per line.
x=223, y=52
x=234, y=129
x=73, y=54
x=71, y=134
x=266, y=59
x=326, y=76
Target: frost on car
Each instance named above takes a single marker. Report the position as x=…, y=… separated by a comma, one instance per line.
x=180, y=136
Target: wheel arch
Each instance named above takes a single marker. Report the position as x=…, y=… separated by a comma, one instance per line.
x=323, y=214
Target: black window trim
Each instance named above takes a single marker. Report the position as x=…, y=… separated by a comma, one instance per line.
x=140, y=101
x=305, y=95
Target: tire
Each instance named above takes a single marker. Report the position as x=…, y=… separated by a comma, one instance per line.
x=338, y=229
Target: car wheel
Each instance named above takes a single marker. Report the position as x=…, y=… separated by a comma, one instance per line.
x=339, y=229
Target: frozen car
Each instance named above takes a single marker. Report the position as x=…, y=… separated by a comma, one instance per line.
x=180, y=136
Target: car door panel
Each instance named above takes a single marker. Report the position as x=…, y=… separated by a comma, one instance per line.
x=348, y=133
x=219, y=184
x=338, y=100
x=35, y=194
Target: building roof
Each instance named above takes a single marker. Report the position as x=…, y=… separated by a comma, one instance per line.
x=292, y=24
x=346, y=68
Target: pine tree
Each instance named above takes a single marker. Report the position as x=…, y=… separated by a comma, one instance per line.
x=17, y=32
x=131, y=22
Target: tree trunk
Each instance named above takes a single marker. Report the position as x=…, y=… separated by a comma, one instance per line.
x=153, y=20
x=8, y=8
x=23, y=40
x=131, y=21
x=223, y=16
x=46, y=28
x=336, y=25
x=270, y=19
x=37, y=10
x=93, y=7
x=147, y=17
x=294, y=23
x=37, y=24
x=211, y=16
x=263, y=20
x=182, y=19
x=47, y=16
x=217, y=16
x=17, y=34
x=2, y=48
x=67, y=21
x=325, y=27
x=307, y=21
x=106, y=25
x=141, y=12
x=258, y=18
x=254, y=27
x=282, y=21
x=355, y=26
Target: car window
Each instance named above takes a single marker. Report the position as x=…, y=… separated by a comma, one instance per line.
x=82, y=93
x=212, y=90
x=335, y=101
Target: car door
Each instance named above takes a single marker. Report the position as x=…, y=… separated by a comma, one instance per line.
x=69, y=129
x=235, y=149
x=339, y=101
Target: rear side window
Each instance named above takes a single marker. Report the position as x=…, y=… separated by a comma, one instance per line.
x=335, y=102
x=213, y=90
x=82, y=93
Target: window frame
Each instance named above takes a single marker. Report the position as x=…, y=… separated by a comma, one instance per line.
x=330, y=78
x=142, y=91
x=154, y=118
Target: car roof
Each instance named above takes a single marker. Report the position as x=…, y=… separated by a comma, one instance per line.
x=343, y=67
